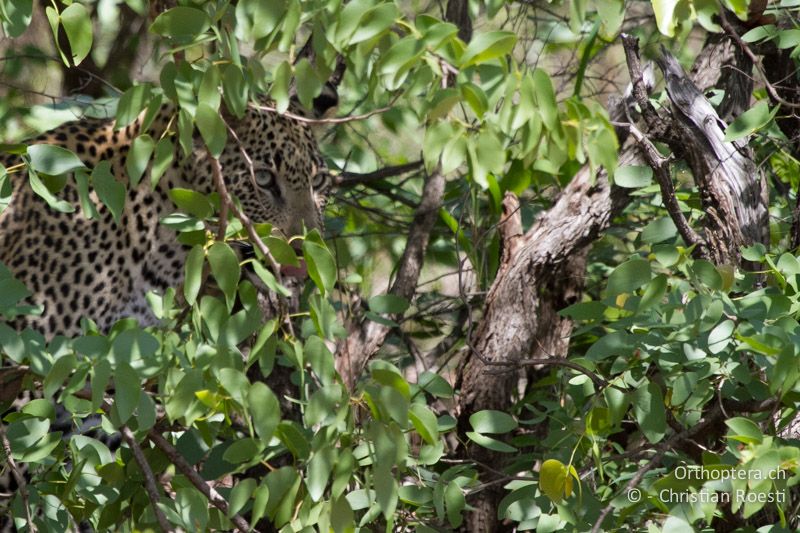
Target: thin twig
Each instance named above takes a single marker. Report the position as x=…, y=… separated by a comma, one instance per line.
x=723, y=20
x=20, y=479
x=660, y=166
x=149, y=479
x=225, y=197
x=333, y=120
x=347, y=179
x=194, y=478
x=366, y=338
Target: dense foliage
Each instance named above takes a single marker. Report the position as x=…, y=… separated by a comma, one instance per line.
x=662, y=339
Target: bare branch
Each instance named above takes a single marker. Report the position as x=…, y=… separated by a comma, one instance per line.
x=366, y=338
x=226, y=200
x=18, y=477
x=333, y=120
x=349, y=179
x=660, y=166
x=149, y=479
x=199, y=483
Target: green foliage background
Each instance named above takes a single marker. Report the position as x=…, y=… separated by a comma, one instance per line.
x=667, y=336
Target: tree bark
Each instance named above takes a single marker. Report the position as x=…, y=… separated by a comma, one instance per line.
x=365, y=338
x=732, y=191
x=538, y=278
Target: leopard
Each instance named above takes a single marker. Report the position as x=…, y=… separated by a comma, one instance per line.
x=101, y=268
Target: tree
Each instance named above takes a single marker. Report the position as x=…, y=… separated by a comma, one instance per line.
x=558, y=287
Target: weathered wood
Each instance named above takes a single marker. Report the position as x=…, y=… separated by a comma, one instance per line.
x=731, y=190
x=520, y=317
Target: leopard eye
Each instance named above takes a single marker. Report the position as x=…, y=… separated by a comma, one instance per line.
x=320, y=181
x=265, y=178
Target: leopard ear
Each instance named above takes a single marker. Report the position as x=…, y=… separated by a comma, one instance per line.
x=328, y=98
x=327, y=101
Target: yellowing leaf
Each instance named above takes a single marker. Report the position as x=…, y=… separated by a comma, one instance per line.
x=554, y=480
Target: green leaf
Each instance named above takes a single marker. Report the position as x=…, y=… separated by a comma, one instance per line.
x=165, y=152
x=225, y=267
x=486, y=156
x=388, y=304
x=385, y=490
x=192, y=202
x=435, y=384
x=654, y=292
x=374, y=22
x=240, y=495
x=269, y=279
x=181, y=24
x=399, y=59
x=110, y=191
x=194, y=273
x=475, y=97
x=78, y=27
x=648, y=407
x=319, y=472
x=633, y=176
x=342, y=516
x=424, y=422
x=321, y=267
x=492, y=422
x=455, y=502
x=146, y=412
x=41, y=189
x=280, y=86
x=260, y=501
x=720, y=336
x=707, y=274
x=242, y=451
x=612, y=13
x=131, y=103
x=212, y=128
x=750, y=121
x=744, y=430
x=16, y=17
x=490, y=443
x=555, y=480
x=264, y=410
x=488, y=46
x=759, y=33
x=53, y=160
x=138, y=158
x=667, y=15
x=11, y=291
x=628, y=277
x=256, y=18
x=127, y=389
x=282, y=251
x=208, y=93
x=234, y=87
x=659, y=230
x=60, y=370
x=308, y=84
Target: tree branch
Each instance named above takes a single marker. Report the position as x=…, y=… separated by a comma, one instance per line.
x=350, y=179
x=660, y=166
x=18, y=477
x=366, y=338
x=149, y=479
x=186, y=469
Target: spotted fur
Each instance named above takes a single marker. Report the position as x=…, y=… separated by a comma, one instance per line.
x=78, y=267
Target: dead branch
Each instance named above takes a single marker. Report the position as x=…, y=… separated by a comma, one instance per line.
x=18, y=477
x=350, y=179
x=199, y=483
x=149, y=478
x=366, y=338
